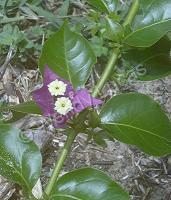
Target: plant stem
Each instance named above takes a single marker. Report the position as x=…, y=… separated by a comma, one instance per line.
x=114, y=57
x=6, y=20
x=105, y=75
x=132, y=12
x=60, y=162
x=107, y=72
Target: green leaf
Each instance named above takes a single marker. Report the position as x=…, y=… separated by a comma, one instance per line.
x=22, y=109
x=29, y=13
x=152, y=23
x=11, y=35
x=49, y=16
x=87, y=184
x=93, y=119
x=100, y=137
x=63, y=10
x=99, y=140
x=16, y=116
x=97, y=44
x=114, y=31
x=6, y=37
x=107, y=6
x=136, y=119
x=69, y=55
x=20, y=158
x=29, y=107
x=155, y=61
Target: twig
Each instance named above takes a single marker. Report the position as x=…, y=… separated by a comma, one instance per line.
x=105, y=162
x=70, y=16
x=6, y=20
x=7, y=60
x=79, y=5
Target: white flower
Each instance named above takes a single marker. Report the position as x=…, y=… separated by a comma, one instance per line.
x=63, y=105
x=57, y=88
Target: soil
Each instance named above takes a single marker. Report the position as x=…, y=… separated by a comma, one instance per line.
x=144, y=177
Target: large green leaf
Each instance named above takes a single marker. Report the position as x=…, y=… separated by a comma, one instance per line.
x=107, y=6
x=22, y=109
x=152, y=23
x=155, y=61
x=137, y=119
x=20, y=158
x=87, y=184
x=69, y=55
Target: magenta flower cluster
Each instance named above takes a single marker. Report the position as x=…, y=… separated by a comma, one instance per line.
x=80, y=99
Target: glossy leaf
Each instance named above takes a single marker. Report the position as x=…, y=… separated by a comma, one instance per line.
x=155, y=61
x=87, y=184
x=22, y=109
x=20, y=158
x=114, y=31
x=107, y=6
x=137, y=119
x=69, y=55
x=151, y=24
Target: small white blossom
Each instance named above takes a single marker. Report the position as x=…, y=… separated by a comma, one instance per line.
x=63, y=105
x=57, y=88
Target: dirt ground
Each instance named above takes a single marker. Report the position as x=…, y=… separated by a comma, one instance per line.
x=144, y=177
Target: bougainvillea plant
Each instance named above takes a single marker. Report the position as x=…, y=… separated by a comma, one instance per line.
x=139, y=38
x=58, y=100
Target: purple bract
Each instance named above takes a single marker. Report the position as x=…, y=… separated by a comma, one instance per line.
x=62, y=107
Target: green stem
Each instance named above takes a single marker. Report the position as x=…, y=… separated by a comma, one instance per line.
x=107, y=72
x=60, y=162
x=114, y=57
x=6, y=20
x=132, y=12
x=105, y=75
